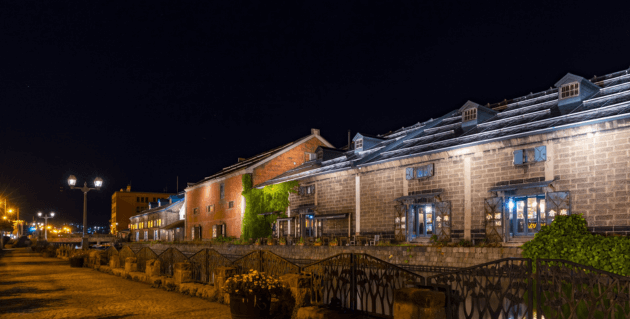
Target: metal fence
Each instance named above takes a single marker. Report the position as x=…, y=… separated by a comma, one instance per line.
x=359, y=282
x=503, y=289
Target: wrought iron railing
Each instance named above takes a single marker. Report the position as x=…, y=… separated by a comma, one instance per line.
x=359, y=282
x=498, y=289
x=124, y=253
x=566, y=290
x=505, y=288
x=143, y=256
x=205, y=262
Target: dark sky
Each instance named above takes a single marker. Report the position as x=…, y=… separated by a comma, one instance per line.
x=148, y=91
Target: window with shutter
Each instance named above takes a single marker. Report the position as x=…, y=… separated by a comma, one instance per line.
x=493, y=209
x=409, y=173
x=557, y=203
x=443, y=220
x=530, y=155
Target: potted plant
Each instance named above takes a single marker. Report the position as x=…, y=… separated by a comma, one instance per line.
x=76, y=260
x=250, y=294
x=269, y=240
x=282, y=241
x=333, y=242
x=301, y=241
x=257, y=243
x=318, y=242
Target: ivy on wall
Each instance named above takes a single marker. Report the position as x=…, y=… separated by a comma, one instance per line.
x=271, y=198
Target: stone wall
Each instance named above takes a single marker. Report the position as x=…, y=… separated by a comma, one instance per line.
x=402, y=255
x=591, y=162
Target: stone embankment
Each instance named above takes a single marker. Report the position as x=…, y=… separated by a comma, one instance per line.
x=455, y=257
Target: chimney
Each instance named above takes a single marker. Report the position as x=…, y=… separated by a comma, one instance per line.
x=129, y=188
x=240, y=159
x=349, y=139
x=314, y=131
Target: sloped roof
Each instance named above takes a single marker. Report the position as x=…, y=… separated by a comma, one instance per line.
x=174, y=207
x=534, y=113
x=258, y=159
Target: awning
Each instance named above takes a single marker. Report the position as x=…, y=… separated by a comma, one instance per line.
x=270, y=213
x=285, y=219
x=304, y=207
x=177, y=224
x=520, y=186
x=418, y=196
x=332, y=216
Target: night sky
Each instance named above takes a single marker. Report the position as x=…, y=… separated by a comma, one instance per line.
x=143, y=92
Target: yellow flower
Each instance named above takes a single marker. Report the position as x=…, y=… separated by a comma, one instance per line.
x=250, y=290
x=236, y=291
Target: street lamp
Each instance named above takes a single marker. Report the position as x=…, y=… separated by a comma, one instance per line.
x=46, y=227
x=98, y=182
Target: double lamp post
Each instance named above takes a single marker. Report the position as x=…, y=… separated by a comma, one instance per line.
x=46, y=225
x=98, y=182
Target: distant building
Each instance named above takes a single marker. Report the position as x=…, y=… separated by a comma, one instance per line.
x=126, y=203
x=215, y=206
x=163, y=220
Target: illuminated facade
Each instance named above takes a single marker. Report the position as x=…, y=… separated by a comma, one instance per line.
x=497, y=172
x=215, y=205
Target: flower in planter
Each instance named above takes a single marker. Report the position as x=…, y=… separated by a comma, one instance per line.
x=253, y=283
x=282, y=240
x=301, y=241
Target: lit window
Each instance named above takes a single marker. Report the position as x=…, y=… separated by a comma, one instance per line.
x=358, y=144
x=569, y=90
x=310, y=156
x=469, y=115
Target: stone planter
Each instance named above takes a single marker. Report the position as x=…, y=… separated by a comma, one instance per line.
x=250, y=307
x=317, y=244
x=283, y=244
x=332, y=244
x=76, y=262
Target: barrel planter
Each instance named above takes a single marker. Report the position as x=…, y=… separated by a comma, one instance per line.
x=249, y=307
x=76, y=262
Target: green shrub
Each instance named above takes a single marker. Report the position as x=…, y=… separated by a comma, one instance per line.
x=568, y=238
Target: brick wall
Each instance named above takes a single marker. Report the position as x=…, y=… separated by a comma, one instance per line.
x=285, y=161
x=209, y=194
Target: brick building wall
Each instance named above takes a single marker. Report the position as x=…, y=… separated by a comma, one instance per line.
x=208, y=194
x=591, y=162
x=285, y=161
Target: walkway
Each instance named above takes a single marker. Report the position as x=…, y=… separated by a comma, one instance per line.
x=36, y=287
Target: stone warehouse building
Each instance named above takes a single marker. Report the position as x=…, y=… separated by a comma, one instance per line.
x=215, y=205
x=163, y=220
x=498, y=171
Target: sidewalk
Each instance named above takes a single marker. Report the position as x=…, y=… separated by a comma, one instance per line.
x=35, y=287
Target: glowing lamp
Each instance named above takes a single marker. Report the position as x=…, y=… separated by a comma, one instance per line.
x=98, y=182
x=72, y=180
x=39, y=214
x=52, y=214
x=428, y=209
x=511, y=204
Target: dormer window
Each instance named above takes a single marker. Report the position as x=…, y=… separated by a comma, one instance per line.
x=569, y=90
x=358, y=144
x=469, y=115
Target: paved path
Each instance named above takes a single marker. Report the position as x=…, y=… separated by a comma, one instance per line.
x=36, y=287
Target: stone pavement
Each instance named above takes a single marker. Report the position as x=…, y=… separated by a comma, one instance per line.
x=35, y=287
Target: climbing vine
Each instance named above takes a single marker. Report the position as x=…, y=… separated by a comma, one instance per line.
x=271, y=198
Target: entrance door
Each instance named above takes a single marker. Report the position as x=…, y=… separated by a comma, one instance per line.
x=309, y=225
x=422, y=220
x=527, y=215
